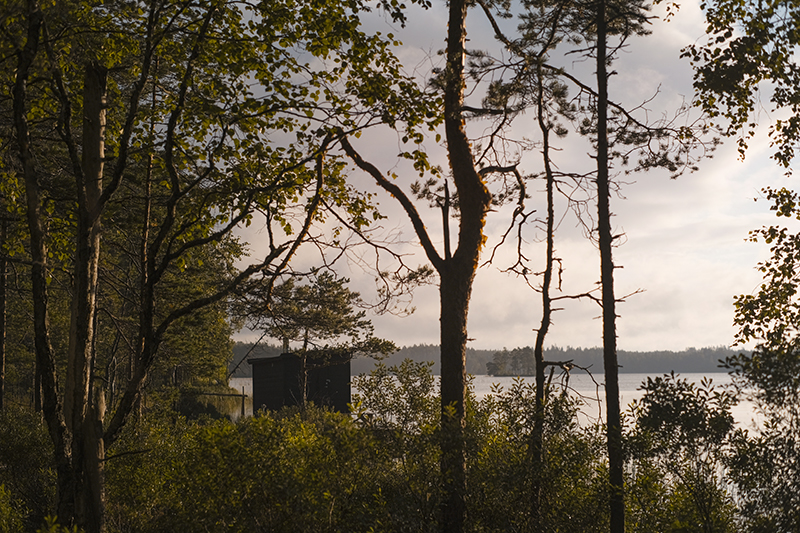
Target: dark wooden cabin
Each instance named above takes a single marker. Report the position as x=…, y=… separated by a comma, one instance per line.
x=277, y=382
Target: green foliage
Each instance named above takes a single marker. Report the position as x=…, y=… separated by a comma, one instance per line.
x=315, y=470
x=749, y=42
x=501, y=467
x=770, y=316
x=51, y=525
x=310, y=471
x=684, y=418
x=27, y=469
x=320, y=310
x=765, y=468
x=400, y=407
x=322, y=315
x=752, y=46
x=764, y=465
x=215, y=115
x=216, y=112
x=517, y=362
x=677, y=448
x=11, y=516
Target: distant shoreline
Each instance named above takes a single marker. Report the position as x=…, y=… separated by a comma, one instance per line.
x=690, y=360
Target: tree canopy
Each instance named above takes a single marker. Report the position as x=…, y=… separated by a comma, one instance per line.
x=139, y=135
x=138, y=138
x=750, y=46
x=321, y=315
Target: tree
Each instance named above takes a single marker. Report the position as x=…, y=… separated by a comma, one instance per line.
x=456, y=270
x=678, y=448
x=159, y=96
x=314, y=314
x=3, y=309
x=751, y=50
x=765, y=465
x=605, y=239
x=650, y=146
x=319, y=315
x=534, y=84
x=517, y=362
x=597, y=30
x=748, y=43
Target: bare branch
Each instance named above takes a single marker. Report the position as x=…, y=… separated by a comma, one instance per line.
x=394, y=190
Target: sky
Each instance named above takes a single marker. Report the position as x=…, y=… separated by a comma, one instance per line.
x=684, y=255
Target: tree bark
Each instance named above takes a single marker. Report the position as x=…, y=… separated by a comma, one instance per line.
x=537, y=438
x=36, y=220
x=457, y=274
x=3, y=301
x=80, y=410
x=605, y=238
x=76, y=426
x=454, y=293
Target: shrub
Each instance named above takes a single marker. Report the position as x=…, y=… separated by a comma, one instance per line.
x=26, y=466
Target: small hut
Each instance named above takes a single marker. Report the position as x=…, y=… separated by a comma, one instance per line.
x=278, y=382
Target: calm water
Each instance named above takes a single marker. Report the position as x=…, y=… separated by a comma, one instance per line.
x=592, y=392
x=242, y=384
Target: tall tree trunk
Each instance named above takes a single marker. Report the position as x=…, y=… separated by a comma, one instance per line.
x=537, y=440
x=457, y=274
x=454, y=293
x=36, y=219
x=37, y=389
x=3, y=301
x=80, y=411
x=614, y=423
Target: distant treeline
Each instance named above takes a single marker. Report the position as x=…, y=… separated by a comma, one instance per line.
x=690, y=360
x=239, y=367
x=519, y=361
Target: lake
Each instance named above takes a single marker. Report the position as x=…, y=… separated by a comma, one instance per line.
x=581, y=384
x=593, y=392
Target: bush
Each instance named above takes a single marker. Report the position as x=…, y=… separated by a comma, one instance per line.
x=291, y=471
x=378, y=469
x=27, y=470
x=677, y=450
x=11, y=516
x=502, y=472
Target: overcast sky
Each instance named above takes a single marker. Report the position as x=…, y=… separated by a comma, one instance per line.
x=685, y=243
